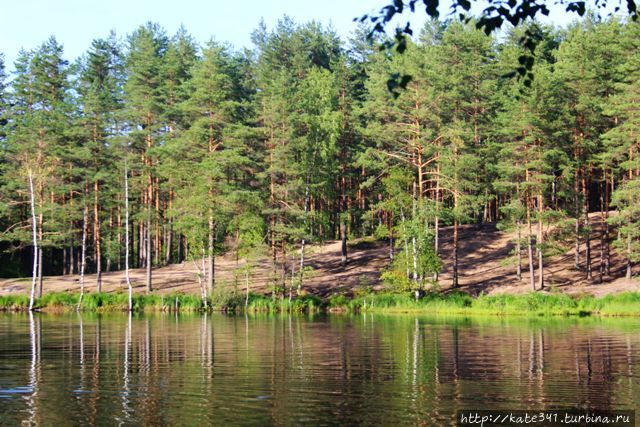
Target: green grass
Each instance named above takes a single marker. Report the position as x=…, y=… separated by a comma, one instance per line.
x=14, y=302
x=103, y=302
x=265, y=304
x=624, y=304
x=535, y=303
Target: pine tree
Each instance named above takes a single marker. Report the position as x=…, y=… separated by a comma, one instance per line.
x=409, y=132
x=286, y=57
x=317, y=145
x=38, y=144
x=530, y=152
x=627, y=199
x=176, y=70
x=144, y=108
x=467, y=61
x=208, y=147
x=587, y=64
x=98, y=87
x=623, y=149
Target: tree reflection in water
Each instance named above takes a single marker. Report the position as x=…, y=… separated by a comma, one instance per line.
x=371, y=369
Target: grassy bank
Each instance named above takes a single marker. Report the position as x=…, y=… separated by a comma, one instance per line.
x=101, y=302
x=112, y=302
x=624, y=304
x=538, y=303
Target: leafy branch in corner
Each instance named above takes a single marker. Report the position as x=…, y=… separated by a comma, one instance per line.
x=490, y=19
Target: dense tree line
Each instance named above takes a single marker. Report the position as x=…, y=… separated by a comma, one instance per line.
x=156, y=150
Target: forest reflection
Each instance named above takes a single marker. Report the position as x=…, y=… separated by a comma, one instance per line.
x=167, y=369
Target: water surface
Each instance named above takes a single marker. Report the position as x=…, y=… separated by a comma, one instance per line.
x=323, y=370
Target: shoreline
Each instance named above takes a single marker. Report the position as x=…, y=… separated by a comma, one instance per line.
x=626, y=304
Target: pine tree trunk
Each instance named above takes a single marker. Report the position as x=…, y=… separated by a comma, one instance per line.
x=436, y=243
x=72, y=267
x=303, y=241
x=344, y=217
x=436, y=225
x=110, y=234
x=413, y=238
x=406, y=245
x=148, y=232
x=272, y=201
x=455, y=253
x=343, y=236
x=211, y=259
x=283, y=265
x=167, y=258
x=237, y=239
x=415, y=259
x=148, y=255
x=391, y=240
x=157, y=250
x=142, y=246
x=85, y=221
x=72, y=257
x=455, y=237
x=532, y=279
x=539, y=244
x=629, y=254
x=577, y=244
x=531, y=267
x=436, y=231
x=554, y=192
x=587, y=234
x=607, y=228
x=97, y=237
x=577, y=223
x=65, y=271
x=293, y=274
x=602, y=231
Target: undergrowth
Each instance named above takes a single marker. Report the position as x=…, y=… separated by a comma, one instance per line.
x=534, y=303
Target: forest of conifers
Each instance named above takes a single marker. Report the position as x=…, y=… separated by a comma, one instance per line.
x=199, y=150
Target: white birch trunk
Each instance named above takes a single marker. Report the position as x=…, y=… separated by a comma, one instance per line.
x=35, y=241
x=210, y=274
x=302, y=242
x=519, y=252
x=209, y=277
x=126, y=235
x=246, y=280
x=85, y=214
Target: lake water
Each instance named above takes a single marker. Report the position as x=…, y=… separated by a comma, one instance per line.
x=322, y=370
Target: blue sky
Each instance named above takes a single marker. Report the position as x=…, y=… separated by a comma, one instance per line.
x=75, y=23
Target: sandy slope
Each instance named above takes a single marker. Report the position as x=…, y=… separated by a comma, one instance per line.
x=482, y=255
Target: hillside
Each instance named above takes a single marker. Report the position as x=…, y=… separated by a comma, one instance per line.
x=484, y=253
